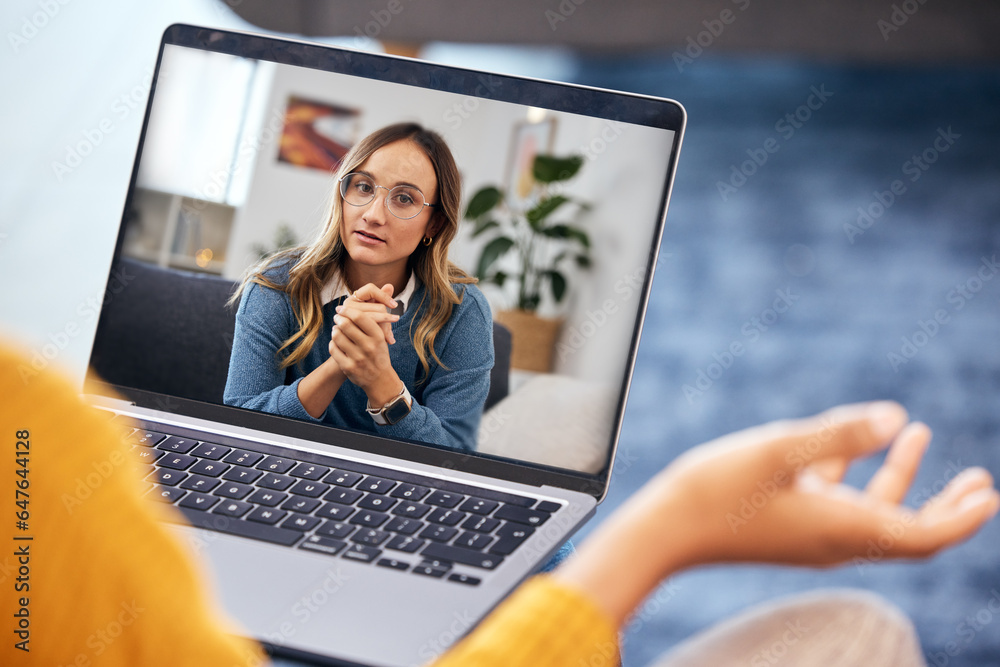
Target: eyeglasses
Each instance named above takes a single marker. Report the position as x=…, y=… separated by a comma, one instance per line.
x=403, y=201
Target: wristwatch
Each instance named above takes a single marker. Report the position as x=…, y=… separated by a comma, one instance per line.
x=394, y=410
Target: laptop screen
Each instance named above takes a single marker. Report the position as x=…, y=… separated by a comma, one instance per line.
x=533, y=209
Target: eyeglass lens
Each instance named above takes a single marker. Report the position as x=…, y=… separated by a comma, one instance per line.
x=403, y=201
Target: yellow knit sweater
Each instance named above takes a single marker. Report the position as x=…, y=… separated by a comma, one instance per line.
x=92, y=578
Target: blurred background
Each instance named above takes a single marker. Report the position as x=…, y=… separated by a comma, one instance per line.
x=835, y=213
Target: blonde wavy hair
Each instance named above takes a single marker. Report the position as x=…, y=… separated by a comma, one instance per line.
x=314, y=264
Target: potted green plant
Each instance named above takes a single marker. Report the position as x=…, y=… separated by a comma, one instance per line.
x=533, y=246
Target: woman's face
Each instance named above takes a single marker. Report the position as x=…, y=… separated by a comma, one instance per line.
x=372, y=235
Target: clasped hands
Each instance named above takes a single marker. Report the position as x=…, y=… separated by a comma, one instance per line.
x=360, y=339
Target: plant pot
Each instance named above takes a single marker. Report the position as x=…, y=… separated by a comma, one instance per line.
x=533, y=339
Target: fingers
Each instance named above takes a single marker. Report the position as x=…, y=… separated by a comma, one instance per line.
x=845, y=432
x=894, y=478
x=364, y=316
x=371, y=294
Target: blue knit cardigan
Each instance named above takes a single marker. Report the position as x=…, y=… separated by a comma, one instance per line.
x=447, y=401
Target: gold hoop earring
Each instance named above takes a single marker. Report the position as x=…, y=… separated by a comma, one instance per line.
x=428, y=240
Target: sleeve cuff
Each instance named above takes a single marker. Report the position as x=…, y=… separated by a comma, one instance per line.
x=290, y=405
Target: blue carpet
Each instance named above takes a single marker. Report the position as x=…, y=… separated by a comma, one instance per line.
x=855, y=293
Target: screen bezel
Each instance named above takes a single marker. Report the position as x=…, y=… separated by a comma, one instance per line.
x=610, y=105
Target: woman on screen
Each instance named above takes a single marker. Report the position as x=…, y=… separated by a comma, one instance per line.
x=371, y=327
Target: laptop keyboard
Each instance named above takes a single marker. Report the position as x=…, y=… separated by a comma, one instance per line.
x=338, y=508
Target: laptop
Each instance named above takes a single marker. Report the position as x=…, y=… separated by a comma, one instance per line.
x=339, y=544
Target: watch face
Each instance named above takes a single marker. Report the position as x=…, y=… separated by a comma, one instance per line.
x=396, y=410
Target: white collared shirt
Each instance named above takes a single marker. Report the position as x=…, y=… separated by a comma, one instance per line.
x=335, y=288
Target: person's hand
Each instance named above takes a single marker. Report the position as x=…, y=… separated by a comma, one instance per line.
x=774, y=494
x=360, y=338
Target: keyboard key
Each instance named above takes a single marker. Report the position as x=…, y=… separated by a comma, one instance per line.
x=233, y=490
x=343, y=496
x=509, y=537
x=167, y=494
x=446, y=517
x=177, y=445
x=147, y=455
x=300, y=504
x=405, y=543
x=335, y=511
x=363, y=553
x=276, y=464
x=309, y=471
x=374, y=502
x=394, y=564
x=429, y=571
x=210, y=468
x=474, y=541
x=266, y=515
x=243, y=458
x=268, y=498
x=370, y=536
x=374, y=484
x=481, y=524
x=252, y=529
x=323, y=545
x=403, y=525
x=166, y=477
x=199, y=483
x=411, y=510
x=241, y=474
x=234, y=508
x=439, y=533
x=548, y=506
x=521, y=515
x=343, y=478
x=438, y=551
x=147, y=438
x=207, y=450
x=369, y=519
x=199, y=501
x=300, y=522
x=305, y=487
x=410, y=492
x=466, y=579
x=444, y=498
x=335, y=529
x=479, y=506
x=177, y=461
x=276, y=482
